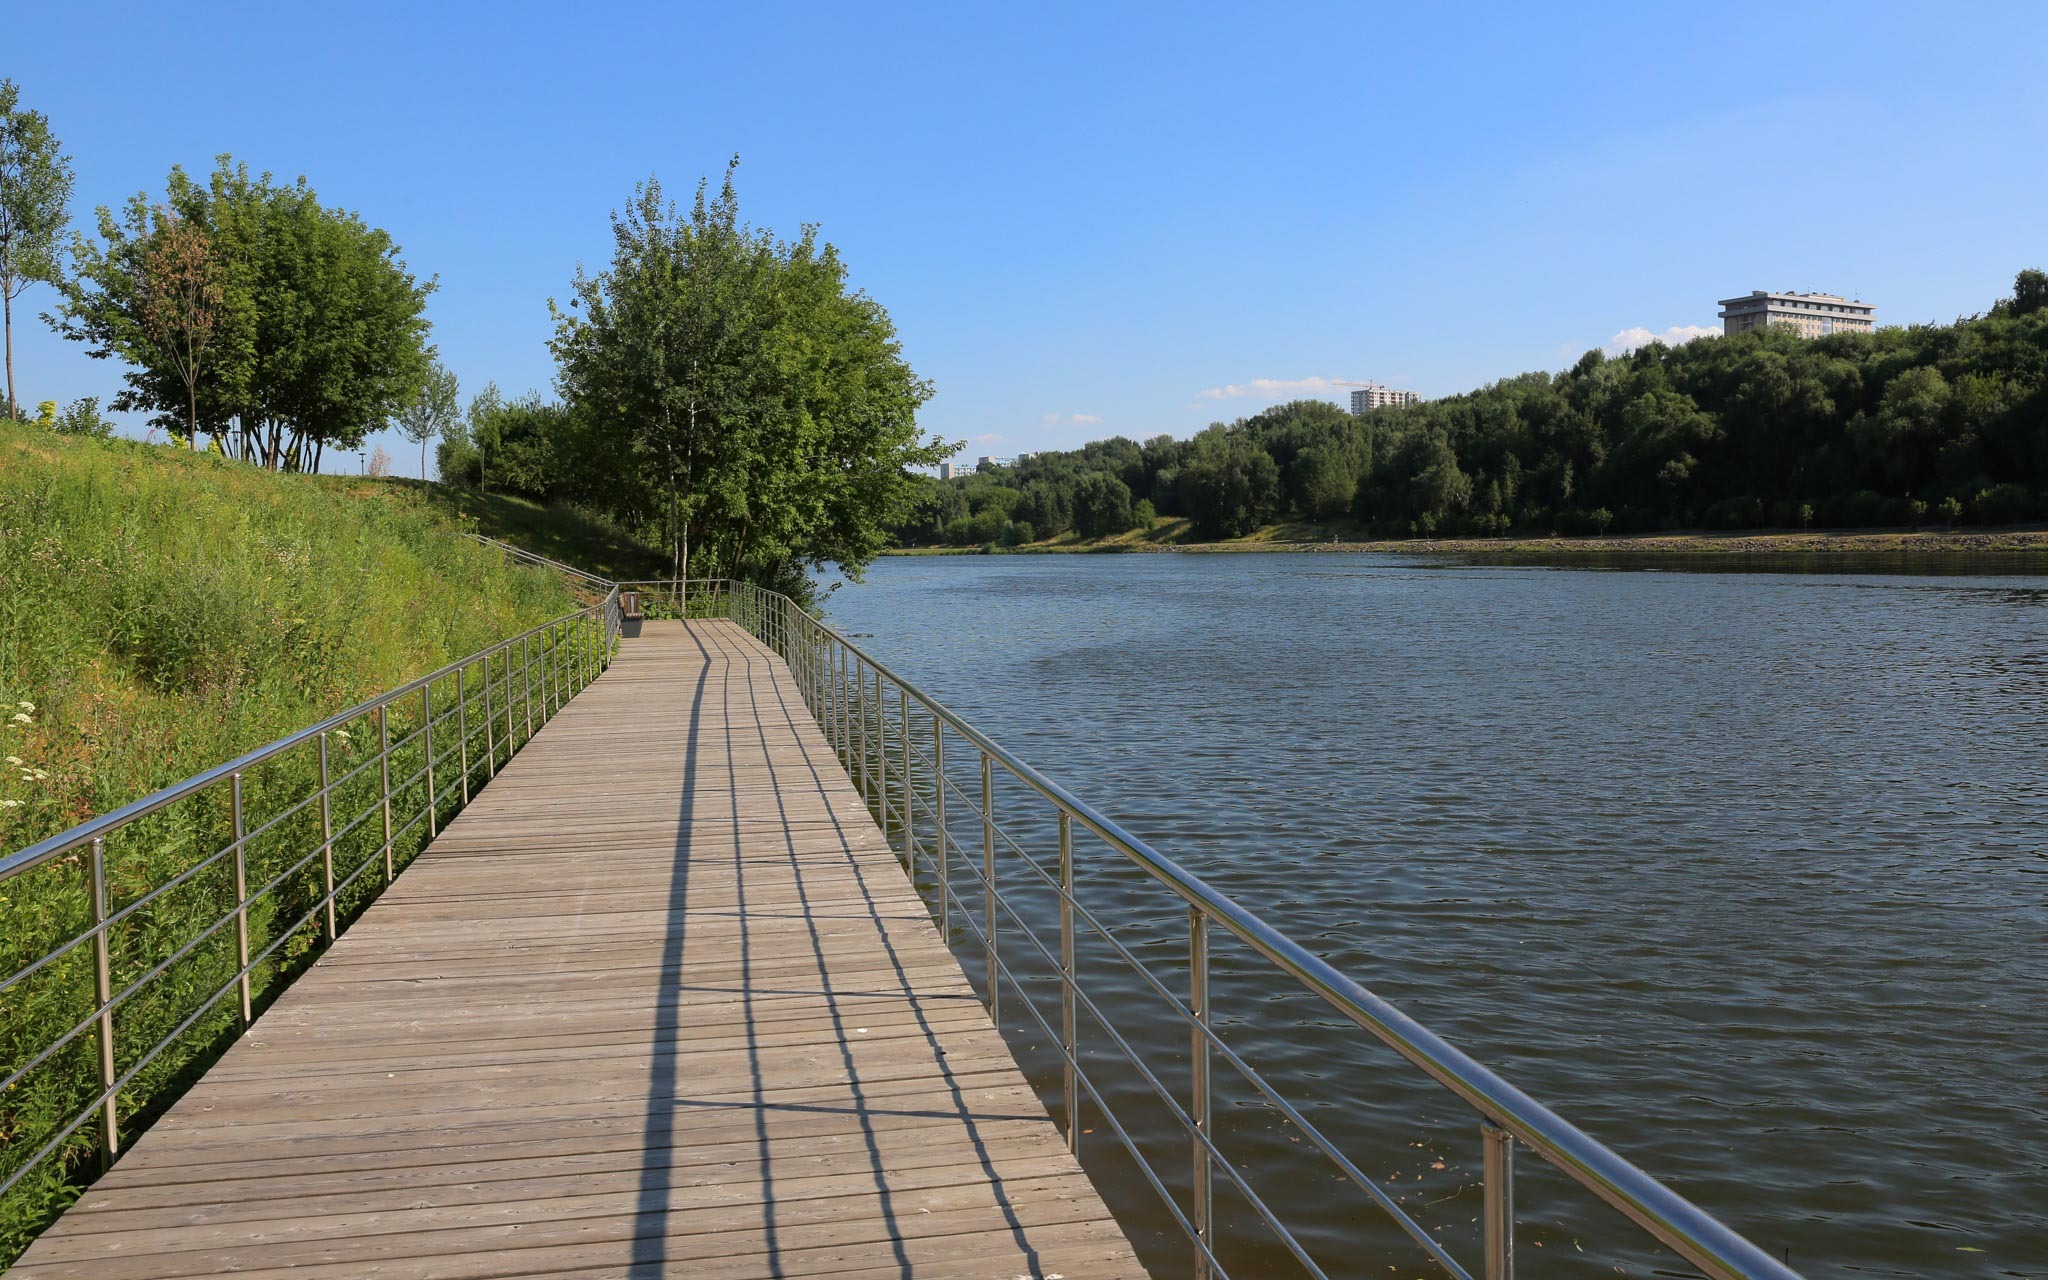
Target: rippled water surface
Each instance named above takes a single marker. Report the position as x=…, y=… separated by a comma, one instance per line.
x=1744, y=873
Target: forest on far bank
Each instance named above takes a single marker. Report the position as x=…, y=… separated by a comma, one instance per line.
x=1903, y=426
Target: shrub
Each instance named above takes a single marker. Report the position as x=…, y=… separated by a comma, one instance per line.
x=2003, y=504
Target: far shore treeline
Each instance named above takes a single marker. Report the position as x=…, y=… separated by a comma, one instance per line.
x=1894, y=428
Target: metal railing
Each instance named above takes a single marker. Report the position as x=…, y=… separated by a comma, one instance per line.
x=538, y=561
x=294, y=841
x=894, y=739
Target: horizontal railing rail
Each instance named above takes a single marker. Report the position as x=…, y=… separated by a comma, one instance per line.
x=534, y=558
x=900, y=770
x=150, y=956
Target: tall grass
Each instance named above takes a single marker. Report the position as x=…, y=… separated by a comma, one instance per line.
x=162, y=612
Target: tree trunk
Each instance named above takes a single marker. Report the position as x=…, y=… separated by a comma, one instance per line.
x=7, y=296
x=192, y=412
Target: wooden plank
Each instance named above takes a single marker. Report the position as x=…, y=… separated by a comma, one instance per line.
x=659, y=1002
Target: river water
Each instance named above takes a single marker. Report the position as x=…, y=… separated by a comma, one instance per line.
x=1742, y=872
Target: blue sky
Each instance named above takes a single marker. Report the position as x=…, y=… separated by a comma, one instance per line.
x=1099, y=219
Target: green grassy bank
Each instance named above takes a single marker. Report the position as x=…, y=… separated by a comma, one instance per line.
x=162, y=612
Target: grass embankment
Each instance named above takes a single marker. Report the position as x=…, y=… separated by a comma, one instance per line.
x=574, y=537
x=162, y=612
x=1177, y=534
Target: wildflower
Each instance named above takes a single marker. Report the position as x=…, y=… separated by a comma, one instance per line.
x=342, y=734
x=10, y=804
x=26, y=706
x=22, y=717
x=16, y=761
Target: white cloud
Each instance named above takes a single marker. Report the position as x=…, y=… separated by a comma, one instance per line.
x=1274, y=388
x=987, y=437
x=1071, y=420
x=1676, y=336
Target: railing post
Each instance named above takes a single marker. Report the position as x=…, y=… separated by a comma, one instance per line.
x=1198, y=1056
x=1498, y=1211
x=490, y=724
x=882, y=755
x=856, y=743
x=526, y=674
x=988, y=884
x=939, y=822
x=103, y=987
x=327, y=837
x=241, y=900
x=842, y=720
x=505, y=666
x=1067, y=978
x=384, y=769
x=909, y=783
x=462, y=729
x=427, y=732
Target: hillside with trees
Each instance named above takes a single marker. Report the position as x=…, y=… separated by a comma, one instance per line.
x=1899, y=427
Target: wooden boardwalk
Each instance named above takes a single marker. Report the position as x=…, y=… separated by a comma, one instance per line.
x=660, y=1002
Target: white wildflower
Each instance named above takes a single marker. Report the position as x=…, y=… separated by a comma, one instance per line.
x=26, y=706
x=21, y=717
x=10, y=804
x=16, y=761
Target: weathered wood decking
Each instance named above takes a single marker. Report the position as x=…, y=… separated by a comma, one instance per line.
x=660, y=1002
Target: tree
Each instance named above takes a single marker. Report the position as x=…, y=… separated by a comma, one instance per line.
x=178, y=301
x=2029, y=292
x=319, y=334
x=482, y=432
x=766, y=414
x=432, y=412
x=1102, y=505
x=35, y=199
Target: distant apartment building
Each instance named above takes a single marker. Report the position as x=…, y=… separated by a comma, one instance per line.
x=1810, y=315
x=945, y=471
x=1374, y=396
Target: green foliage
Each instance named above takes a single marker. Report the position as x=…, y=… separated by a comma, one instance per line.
x=726, y=389
x=82, y=417
x=432, y=413
x=317, y=334
x=35, y=201
x=1732, y=433
x=161, y=612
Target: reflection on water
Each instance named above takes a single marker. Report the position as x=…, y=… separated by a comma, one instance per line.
x=1744, y=873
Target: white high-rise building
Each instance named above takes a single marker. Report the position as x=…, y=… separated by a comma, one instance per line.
x=1374, y=396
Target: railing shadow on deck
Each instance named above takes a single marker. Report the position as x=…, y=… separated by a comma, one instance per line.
x=666, y=1092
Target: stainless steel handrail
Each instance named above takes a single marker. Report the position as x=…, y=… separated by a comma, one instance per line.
x=843, y=686
x=548, y=662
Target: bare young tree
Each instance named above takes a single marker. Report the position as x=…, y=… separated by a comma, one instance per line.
x=432, y=413
x=178, y=293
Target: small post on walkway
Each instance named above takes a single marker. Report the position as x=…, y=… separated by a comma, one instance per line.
x=988, y=884
x=327, y=837
x=1498, y=1208
x=1067, y=979
x=241, y=899
x=1198, y=1055
x=103, y=988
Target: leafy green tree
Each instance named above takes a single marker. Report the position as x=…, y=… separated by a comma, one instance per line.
x=320, y=331
x=2029, y=292
x=430, y=414
x=1230, y=485
x=35, y=200
x=767, y=413
x=1102, y=505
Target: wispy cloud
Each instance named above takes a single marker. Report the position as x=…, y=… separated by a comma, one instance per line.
x=1275, y=387
x=1071, y=420
x=1676, y=336
x=988, y=437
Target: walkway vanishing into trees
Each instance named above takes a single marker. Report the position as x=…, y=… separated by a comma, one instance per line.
x=660, y=1002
